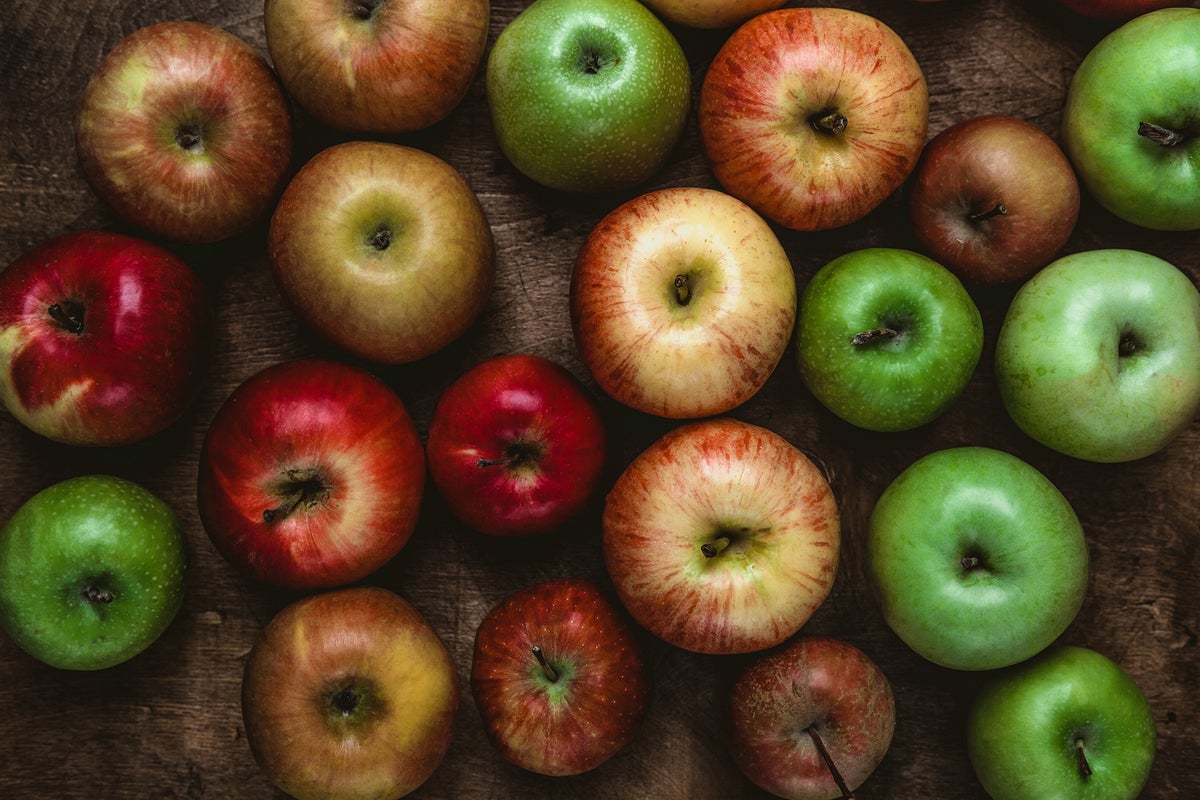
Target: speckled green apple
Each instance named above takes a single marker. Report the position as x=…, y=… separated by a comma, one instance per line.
x=91, y=572
x=886, y=338
x=587, y=95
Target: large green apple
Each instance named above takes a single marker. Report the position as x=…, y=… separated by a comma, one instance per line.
x=587, y=95
x=887, y=339
x=1131, y=124
x=1069, y=724
x=1099, y=355
x=91, y=572
x=976, y=558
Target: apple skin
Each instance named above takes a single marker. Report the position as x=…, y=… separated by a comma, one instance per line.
x=124, y=356
x=977, y=560
x=1119, y=9
x=601, y=687
x=748, y=496
x=1142, y=72
x=895, y=381
x=311, y=475
x=770, y=85
x=516, y=446
x=184, y=131
x=383, y=249
x=1098, y=356
x=682, y=356
x=1027, y=724
x=349, y=694
x=587, y=95
x=710, y=14
x=92, y=572
x=993, y=199
x=378, y=66
x=812, y=683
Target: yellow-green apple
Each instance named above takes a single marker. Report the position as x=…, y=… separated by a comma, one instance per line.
x=1098, y=356
x=377, y=66
x=682, y=302
x=103, y=338
x=710, y=13
x=721, y=537
x=383, y=249
x=812, y=719
x=813, y=116
x=349, y=694
x=184, y=131
x=311, y=475
x=993, y=198
x=515, y=445
x=558, y=677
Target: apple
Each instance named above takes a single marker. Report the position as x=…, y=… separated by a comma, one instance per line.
x=1098, y=356
x=587, y=95
x=812, y=719
x=383, y=249
x=710, y=14
x=349, y=694
x=1119, y=9
x=682, y=302
x=977, y=560
x=92, y=572
x=721, y=537
x=558, y=678
x=516, y=446
x=1130, y=123
x=813, y=116
x=378, y=66
x=103, y=338
x=184, y=131
x=1068, y=724
x=887, y=339
x=993, y=199
x=311, y=475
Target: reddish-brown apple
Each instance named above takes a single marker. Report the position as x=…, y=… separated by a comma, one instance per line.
x=710, y=13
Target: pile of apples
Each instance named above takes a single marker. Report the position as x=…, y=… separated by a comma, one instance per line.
x=721, y=537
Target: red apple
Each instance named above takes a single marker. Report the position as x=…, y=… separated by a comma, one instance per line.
x=812, y=720
x=993, y=199
x=813, y=116
x=558, y=678
x=721, y=537
x=710, y=13
x=102, y=338
x=184, y=131
x=349, y=694
x=515, y=446
x=1120, y=9
x=380, y=66
x=311, y=475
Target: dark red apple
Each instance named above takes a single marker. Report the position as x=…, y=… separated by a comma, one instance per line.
x=558, y=678
x=311, y=475
x=103, y=338
x=516, y=446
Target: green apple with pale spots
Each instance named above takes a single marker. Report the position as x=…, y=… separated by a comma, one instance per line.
x=587, y=95
x=91, y=572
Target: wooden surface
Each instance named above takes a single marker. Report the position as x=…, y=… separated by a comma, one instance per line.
x=167, y=724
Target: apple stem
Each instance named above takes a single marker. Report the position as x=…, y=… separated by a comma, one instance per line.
x=94, y=595
x=998, y=210
x=1160, y=135
x=285, y=508
x=828, y=759
x=551, y=674
x=860, y=339
x=68, y=315
x=714, y=548
x=516, y=455
x=683, y=290
x=830, y=122
x=1085, y=769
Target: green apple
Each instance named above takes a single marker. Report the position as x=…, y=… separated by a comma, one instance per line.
x=587, y=95
x=1131, y=124
x=976, y=558
x=1070, y=724
x=887, y=339
x=1099, y=355
x=91, y=572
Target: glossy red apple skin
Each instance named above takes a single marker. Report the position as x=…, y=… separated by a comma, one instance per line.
x=1119, y=9
x=814, y=682
x=780, y=72
x=993, y=199
x=133, y=367
x=602, y=689
x=184, y=131
x=340, y=443
x=516, y=446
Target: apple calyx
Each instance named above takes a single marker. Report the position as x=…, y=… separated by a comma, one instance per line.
x=1085, y=769
x=997, y=210
x=305, y=487
x=866, y=337
x=544, y=663
x=1128, y=344
x=829, y=123
x=68, y=315
x=94, y=594
x=190, y=137
x=381, y=238
x=823, y=751
x=362, y=9
x=1161, y=135
x=345, y=701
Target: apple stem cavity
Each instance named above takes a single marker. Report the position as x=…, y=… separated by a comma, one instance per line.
x=1085, y=769
x=551, y=673
x=68, y=315
x=998, y=210
x=830, y=123
x=302, y=487
x=828, y=759
x=866, y=337
x=1160, y=135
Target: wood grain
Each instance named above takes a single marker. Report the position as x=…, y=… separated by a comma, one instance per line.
x=167, y=724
